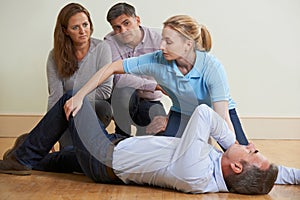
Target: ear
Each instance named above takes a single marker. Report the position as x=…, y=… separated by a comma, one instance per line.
x=138, y=20
x=188, y=45
x=236, y=167
x=65, y=31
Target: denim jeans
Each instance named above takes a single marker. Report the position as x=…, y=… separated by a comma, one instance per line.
x=90, y=148
x=129, y=109
x=104, y=112
x=176, y=124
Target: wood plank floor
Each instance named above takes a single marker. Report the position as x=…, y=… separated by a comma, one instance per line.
x=44, y=185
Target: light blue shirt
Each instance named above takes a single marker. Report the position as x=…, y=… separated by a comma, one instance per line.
x=204, y=84
x=188, y=164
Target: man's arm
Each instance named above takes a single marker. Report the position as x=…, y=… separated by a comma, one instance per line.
x=217, y=128
x=136, y=82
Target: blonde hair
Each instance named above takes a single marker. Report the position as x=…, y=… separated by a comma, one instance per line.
x=190, y=29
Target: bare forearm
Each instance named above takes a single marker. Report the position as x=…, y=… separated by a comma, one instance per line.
x=74, y=104
x=221, y=108
x=100, y=76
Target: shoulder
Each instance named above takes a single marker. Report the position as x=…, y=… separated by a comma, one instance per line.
x=95, y=41
x=111, y=40
x=210, y=62
x=151, y=34
x=109, y=36
x=152, y=31
x=50, y=60
x=97, y=44
x=156, y=56
x=51, y=54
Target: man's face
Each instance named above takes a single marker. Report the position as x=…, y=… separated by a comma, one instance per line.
x=247, y=153
x=126, y=28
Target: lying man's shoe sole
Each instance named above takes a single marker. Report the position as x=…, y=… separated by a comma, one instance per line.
x=13, y=167
x=14, y=172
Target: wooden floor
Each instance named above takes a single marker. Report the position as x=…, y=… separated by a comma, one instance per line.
x=43, y=185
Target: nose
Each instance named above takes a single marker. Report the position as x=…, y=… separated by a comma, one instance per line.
x=251, y=146
x=162, y=45
x=81, y=29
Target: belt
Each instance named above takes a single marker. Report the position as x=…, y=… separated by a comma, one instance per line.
x=110, y=151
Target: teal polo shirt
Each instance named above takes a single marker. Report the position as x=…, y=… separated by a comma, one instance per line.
x=204, y=84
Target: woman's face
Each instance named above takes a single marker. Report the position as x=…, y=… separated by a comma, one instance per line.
x=173, y=45
x=79, y=28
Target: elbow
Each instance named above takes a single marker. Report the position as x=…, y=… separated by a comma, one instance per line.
x=117, y=67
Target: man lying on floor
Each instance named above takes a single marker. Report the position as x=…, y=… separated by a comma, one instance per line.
x=188, y=164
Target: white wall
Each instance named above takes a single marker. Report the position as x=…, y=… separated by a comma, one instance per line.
x=257, y=41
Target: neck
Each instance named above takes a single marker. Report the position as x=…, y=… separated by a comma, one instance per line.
x=225, y=165
x=81, y=50
x=186, y=64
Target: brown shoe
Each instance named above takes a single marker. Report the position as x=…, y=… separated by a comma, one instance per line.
x=12, y=166
x=17, y=143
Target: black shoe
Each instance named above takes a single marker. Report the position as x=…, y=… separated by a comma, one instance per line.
x=12, y=166
x=18, y=143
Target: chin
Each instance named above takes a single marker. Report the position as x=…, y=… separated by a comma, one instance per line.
x=127, y=39
x=167, y=57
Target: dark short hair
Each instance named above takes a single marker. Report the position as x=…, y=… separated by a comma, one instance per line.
x=252, y=180
x=120, y=9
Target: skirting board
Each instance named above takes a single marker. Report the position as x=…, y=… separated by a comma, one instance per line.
x=255, y=127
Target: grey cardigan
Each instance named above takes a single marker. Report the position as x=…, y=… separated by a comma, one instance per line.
x=99, y=54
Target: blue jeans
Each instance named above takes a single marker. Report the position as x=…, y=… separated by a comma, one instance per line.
x=91, y=144
x=129, y=109
x=104, y=113
x=177, y=123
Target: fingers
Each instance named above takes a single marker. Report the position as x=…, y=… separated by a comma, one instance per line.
x=158, y=124
x=68, y=107
x=75, y=111
x=158, y=87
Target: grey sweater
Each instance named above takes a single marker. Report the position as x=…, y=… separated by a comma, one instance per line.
x=99, y=54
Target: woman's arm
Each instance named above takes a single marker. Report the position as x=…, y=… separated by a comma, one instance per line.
x=55, y=84
x=74, y=104
x=221, y=107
